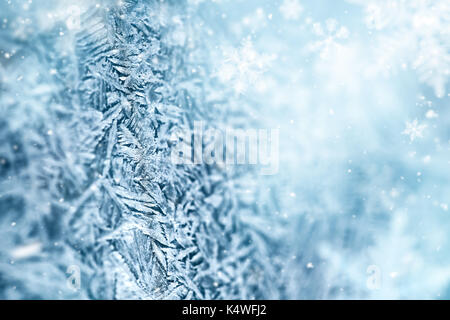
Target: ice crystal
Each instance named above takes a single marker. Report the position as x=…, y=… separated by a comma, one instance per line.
x=92, y=150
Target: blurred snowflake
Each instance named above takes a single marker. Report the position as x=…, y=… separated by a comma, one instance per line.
x=418, y=35
x=414, y=129
x=291, y=9
x=330, y=35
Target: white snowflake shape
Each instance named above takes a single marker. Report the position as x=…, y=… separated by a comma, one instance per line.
x=243, y=67
x=414, y=129
x=291, y=9
x=330, y=35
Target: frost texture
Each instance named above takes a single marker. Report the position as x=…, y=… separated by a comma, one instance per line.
x=89, y=97
x=93, y=154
